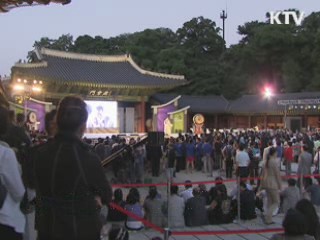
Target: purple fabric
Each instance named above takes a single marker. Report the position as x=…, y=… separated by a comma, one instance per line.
x=162, y=114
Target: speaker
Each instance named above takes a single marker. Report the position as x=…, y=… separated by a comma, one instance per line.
x=156, y=138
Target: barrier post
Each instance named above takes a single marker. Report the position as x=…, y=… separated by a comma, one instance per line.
x=238, y=197
x=167, y=229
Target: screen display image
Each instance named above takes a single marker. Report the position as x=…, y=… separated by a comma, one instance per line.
x=102, y=117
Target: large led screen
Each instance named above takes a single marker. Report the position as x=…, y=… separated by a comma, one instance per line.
x=103, y=117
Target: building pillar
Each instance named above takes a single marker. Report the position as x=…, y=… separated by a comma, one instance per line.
x=265, y=121
x=143, y=115
x=216, y=121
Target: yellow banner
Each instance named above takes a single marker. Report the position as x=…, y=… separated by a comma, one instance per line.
x=178, y=122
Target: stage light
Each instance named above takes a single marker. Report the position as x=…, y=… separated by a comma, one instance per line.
x=18, y=87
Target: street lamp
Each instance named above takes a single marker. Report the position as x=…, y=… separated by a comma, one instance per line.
x=25, y=89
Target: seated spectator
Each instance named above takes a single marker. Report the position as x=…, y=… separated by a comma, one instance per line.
x=204, y=193
x=247, y=203
x=213, y=190
x=295, y=227
x=313, y=191
x=220, y=208
x=174, y=209
x=307, y=209
x=133, y=206
x=118, y=233
x=195, y=213
x=113, y=214
x=151, y=189
x=152, y=206
x=290, y=196
x=187, y=193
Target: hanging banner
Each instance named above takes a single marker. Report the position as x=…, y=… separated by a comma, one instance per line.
x=160, y=113
x=178, y=122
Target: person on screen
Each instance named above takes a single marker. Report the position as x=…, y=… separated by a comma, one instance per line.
x=101, y=120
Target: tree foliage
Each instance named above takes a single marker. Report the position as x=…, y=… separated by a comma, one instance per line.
x=286, y=56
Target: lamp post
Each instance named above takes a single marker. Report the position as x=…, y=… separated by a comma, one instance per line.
x=24, y=89
x=267, y=93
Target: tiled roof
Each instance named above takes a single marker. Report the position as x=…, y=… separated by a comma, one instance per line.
x=73, y=68
x=201, y=104
x=260, y=104
x=6, y=5
x=247, y=104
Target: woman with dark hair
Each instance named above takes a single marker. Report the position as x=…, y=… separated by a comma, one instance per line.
x=113, y=214
x=310, y=214
x=153, y=208
x=295, y=227
x=69, y=181
x=271, y=183
x=133, y=206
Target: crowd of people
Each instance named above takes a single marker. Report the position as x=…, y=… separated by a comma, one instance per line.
x=59, y=177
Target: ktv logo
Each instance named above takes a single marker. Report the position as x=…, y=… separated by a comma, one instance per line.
x=287, y=16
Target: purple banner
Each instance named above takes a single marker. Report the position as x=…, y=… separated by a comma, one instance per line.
x=162, y=114
x=40, y=111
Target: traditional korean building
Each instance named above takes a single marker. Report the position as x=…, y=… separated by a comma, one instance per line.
x=295, y=111
x=96, y=77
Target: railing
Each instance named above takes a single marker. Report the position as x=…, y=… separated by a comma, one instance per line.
x=116, y=154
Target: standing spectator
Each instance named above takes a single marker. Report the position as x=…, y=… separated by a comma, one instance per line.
x=139, y=156
x=153, y=208
x=296, y=149
x=175, y=208
x=69, y=180
x=290, y=196
x=155, y=154
x=304, y=164
x=198, y=164
x=242, y=162
x=12, y=221
x=288, y=157
x=179, y=148
x=227, y=152
x=171, y=156
x=207, y=160
x=218, y=153
x=190, y=156
x=254, y=165
x=307, y=209
x=271, y=182
x=195, y=213
x=316, y=160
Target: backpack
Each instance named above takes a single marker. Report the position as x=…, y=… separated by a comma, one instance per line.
x=226, y=206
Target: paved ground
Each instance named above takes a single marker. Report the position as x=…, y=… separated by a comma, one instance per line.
x=243, y=225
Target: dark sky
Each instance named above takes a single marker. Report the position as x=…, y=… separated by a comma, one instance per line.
x=21, y=27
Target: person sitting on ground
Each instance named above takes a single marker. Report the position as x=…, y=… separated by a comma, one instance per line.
x=313, y=191
x=118, y=233
x=174, y=210
x=187, y=193
x=195, y=213
x=290, y=196
x=204, y=193
x=151, y=189
x=247, y=203
x=213, y=190
x=113, y=214
x=152, y=206
x=307, y=209
x=220, y=208
x=295, y=227
x=134, y=207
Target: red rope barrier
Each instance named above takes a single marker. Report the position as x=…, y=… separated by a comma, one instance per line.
x=134, y=216
x=228, y=232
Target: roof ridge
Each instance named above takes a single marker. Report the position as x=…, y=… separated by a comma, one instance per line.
x=32, y=65
x=84, y=56
x=151, y=73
